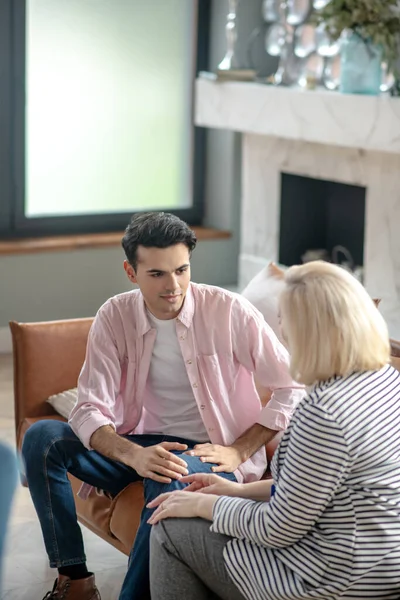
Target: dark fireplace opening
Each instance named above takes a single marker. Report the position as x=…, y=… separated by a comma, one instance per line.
x=320, y=215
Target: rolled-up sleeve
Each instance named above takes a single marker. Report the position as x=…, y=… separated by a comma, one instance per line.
x=277, y=414
x=99, y=381
x=259, y=350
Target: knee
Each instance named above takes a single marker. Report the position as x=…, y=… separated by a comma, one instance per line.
x=176, y=535
x=157, y=536
x=152, y=488
x=195, y=465
x=163, y=533
x=40, y=436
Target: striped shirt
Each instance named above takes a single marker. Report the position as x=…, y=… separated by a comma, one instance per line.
x=332, y=528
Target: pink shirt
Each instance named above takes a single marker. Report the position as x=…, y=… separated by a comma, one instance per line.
x=224, y=340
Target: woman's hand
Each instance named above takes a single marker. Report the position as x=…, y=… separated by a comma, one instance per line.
x=179, y=504
x=207, y=483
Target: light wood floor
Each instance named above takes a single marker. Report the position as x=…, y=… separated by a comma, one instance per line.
x=27, y=575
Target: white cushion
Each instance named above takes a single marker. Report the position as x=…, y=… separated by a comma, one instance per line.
x=64, y=402
x=263, y=292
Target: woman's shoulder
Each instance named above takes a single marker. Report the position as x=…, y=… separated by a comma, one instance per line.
x=355, y=390
x=355, y=379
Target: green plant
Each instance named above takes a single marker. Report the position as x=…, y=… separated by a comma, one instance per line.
x=374, y=20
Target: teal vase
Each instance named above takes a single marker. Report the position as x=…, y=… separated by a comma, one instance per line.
x=361, y=66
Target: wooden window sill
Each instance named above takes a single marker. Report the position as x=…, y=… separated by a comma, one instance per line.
x=64, y=243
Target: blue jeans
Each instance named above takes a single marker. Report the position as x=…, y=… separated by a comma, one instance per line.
x=8, y=483
x=50, y=451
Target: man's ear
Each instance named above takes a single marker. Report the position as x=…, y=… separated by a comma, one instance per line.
x=130, y=272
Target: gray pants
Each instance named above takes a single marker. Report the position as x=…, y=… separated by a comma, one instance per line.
x=186, y=561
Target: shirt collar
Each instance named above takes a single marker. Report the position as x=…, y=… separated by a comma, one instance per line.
x=185, y=316
x=143, y=323
x=187, y=312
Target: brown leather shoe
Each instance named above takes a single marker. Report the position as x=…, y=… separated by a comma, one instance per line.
x=73, y=589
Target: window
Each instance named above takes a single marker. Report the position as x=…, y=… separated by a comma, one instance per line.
x=97, y=112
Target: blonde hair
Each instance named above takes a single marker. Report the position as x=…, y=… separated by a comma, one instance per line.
x=331, y=324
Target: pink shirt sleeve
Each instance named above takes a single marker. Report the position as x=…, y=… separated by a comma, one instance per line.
x=258, y=349
x=99, y=381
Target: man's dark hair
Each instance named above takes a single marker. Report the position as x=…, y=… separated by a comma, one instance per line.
x=156, y=230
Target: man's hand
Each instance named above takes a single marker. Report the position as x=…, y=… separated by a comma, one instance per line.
x=158, y=462
x=228, y=458
x=155, y=462
x=179, y=504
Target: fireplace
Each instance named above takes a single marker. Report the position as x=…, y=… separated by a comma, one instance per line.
x=299, y=196
x=320, y=215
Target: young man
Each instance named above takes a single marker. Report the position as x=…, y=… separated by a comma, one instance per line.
x=166, y=389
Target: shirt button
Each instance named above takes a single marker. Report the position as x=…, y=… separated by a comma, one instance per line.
x=181, y=337
x=211, y=429
x=195, y=385
x=202, y=406
x=189, y=362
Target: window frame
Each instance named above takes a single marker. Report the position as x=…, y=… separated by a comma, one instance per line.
x=13, y=221
x=6, y=190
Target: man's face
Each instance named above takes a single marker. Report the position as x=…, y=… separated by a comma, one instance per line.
x=163, y=276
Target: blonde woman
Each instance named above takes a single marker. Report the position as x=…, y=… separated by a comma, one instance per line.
x=329, y=525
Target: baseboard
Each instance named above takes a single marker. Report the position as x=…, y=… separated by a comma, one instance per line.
x=5, y=340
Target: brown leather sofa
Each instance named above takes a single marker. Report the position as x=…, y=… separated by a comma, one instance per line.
x=48, y=357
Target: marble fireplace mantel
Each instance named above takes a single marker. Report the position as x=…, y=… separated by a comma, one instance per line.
x=319, y=116
x=324, y=135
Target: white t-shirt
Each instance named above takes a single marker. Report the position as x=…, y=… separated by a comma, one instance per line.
x=171, y=407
